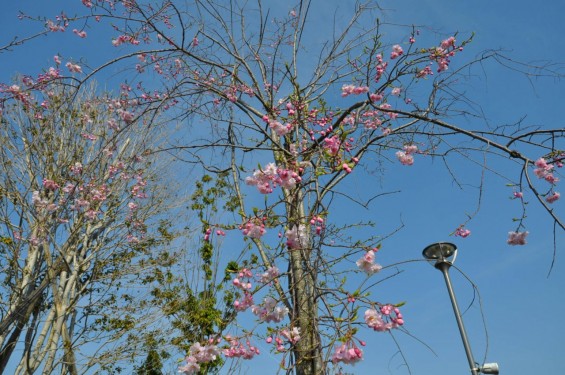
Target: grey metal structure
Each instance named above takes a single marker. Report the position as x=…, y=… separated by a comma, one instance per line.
x=444, y=254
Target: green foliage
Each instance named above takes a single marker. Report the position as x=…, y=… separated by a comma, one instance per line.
x=152, y=364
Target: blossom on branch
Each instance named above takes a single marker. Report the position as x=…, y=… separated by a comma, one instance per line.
x=387, y=318
x=296, y=238
x=367, y=263
x=517, y=238
x=268, y=311
x=396, y=51
x=405, y=157
x=73, y=68
x=554, y=197
x=347, y=353
x=347, y=90
x=462, y=232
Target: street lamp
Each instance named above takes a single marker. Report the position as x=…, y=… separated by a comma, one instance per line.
x=444, y=254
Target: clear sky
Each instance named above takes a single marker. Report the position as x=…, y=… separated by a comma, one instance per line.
x=522, y=305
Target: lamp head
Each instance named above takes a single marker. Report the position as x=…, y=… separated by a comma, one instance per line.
x=490, y=368
x=441, y=252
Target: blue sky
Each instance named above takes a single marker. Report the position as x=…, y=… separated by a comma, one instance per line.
x=522, y=306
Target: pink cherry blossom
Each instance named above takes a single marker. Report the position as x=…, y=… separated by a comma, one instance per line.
x=405, y=157
x=318, y=224
x=280, y=128
x=396, y=51
x=203, y=354
x=347, y=353
x=424, y=72
x=375, y=97
x=552, y=198
x=380, y=69
x=551, y=178
x=288, y=178
x=269, y=275
x=81, y=34
x=238, y=350
x=91, y=214
x=449, y=42
x=37, y=201
x=73, y=68
x=254, y=228
x=347, y=90
x=264, y=179
x=127, y=116
x=462, y=232
x=268, y=311
x=396, y=91
x=292, y=335
x=199, y=354
x=387, y=318
x=190, y=367
x=517, y=238
x=296, y=238
x=50, y=184
x=245, y=303
x=518, y=195
x=375, y=320
x=332, y=145
x=367, y=263
x=542, y=163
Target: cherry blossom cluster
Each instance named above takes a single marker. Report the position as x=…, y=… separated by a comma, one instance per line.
x=347, y=90
x=380, y=67
x=87, y=198
x=291, y=336
x=278, y=127
x=406, y=156
x=254, y=228
x=268, y=311
x=367, y=263
x=517, y=238
x=239, y=350
x=121, y=39
x=271, y=274
x=348, y=352
x=266, y=179
x=544, y=170
x=387, y=318
x=59, y=25
x=462, y=232
x=296, y=237
x=242, y=282
x=208, y=233
x=372, y=120
x=199, y=354
x=442, y=54
x=318, y=223
x=397, y=51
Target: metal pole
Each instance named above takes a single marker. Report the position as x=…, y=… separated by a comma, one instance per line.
x=443, y=266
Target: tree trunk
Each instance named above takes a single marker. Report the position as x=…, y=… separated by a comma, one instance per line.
x=307, y=351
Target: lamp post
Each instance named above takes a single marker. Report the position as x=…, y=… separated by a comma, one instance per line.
x=444, y=254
